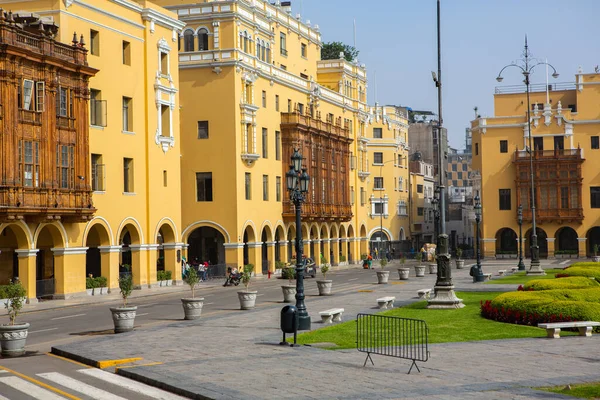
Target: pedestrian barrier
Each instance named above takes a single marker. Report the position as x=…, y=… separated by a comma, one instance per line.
x=393, y=337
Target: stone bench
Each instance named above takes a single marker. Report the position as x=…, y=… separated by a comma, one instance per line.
x=487, y=277
x=501, y=272
x=514, y=269
x=424, y=293
x=386, y=302
x=333, y=314
x=553, y=329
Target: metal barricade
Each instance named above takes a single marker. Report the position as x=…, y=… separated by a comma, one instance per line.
x=217, y=271
x=392, y=336
x=45, y=288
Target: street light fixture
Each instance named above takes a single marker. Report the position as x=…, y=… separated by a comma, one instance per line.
x=527, y=65
x=476, y=271
x=436, y=218
x=520, y=221
x=297, y=180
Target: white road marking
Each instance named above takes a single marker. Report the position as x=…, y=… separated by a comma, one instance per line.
x=43, y=330
x=260, y=294
x=69, y=316
x=80, y=387
x=129, y=384
x=29, y=388
x=208, y=304
x=353, y=279
x=565, y=262
x=147, y=305
x=139, y=315
x=3, y=398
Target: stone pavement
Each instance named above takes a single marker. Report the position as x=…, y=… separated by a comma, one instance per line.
x=235, y=355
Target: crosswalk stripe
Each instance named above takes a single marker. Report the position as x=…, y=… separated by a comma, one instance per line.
x=80, y=387
x=3, y=398
x=130, y=384
x=29, y=388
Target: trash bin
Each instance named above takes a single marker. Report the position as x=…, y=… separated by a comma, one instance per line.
x=289, y=322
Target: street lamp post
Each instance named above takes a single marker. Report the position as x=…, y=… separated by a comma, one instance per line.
x=476, y=271
x=527, y=65
x=436, y=220
x=297, y=184
x=520, y=221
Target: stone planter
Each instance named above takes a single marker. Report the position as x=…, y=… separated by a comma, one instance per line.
x=419, y=270
x=12, y=339
x=123, y=318
x=169, y=282
x=289, y=293
x=382, y=277
x=103, y=290
x=403, y=273
x=460, y=264
x=192, y=308
x=247, y=299
x=325, y=287
x=596, y=258
x=90, y=292
x=432, y=268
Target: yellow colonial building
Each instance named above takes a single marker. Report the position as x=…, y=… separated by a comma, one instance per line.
x=252, y=88
x=565, y=127
x=133, y=156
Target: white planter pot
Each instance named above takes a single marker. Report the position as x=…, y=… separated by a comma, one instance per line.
x=432, y=268
x=419, y=270
x=247, y=299
x=596, y=258
x=192, y=308
x=90, y=292
x=123, y=318
x=460, y=264
x=325, y=287
x=169, y=282
x=289, y=293
x=12, y=339
x=103, y=290
x=382, y=277
x=403, y=273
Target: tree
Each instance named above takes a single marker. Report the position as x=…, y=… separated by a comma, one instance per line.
x=332, y=50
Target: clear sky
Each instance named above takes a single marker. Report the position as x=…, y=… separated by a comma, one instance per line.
x=397, y=41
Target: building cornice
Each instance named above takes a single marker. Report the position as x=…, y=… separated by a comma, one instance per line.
x=123, y=3
x=149, y=14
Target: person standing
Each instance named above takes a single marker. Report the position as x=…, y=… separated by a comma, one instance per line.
x=205, y=274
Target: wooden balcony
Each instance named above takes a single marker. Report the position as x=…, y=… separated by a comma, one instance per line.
x=549, y=155
x=36, y=204
x=319, y=212
x=296, y=118
x=555, y=215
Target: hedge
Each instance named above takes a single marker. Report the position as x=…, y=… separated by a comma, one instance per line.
x=532, y=308
x=577, y=282
x=91, y=283
x=582, y=271
x=584, y=264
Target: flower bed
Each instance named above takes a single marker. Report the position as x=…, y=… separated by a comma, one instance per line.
x=584, y=264
x=576, y=282
x=590, y=272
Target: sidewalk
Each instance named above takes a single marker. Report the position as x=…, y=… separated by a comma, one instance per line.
x=235, y=355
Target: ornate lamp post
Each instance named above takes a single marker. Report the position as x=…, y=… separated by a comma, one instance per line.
x=520, y=221
x=436, y=219
x=528, y=63
x=476, y=271
x=297, y=184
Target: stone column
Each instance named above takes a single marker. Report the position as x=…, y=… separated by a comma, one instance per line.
x=326, y=250
x=283, y=251
x=27, y=263
x=254, y=256
x=270, y=256
x=171, y=262
x=109, y=265
x=234, y=254
x=139, y=265
x=551, y=241
x=306, y=249
x=69, y=276
x=335, y=246
x=152, y=257
x=582, y=247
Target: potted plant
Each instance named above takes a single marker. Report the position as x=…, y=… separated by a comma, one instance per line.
x=90, y=284
x=460, y=263
x=343, y=260
x=192, y=307
x=13, y=335
x=289, y=290
x=101, y=285
x=419, y=269
x=124, y=316
x=160, y=278
x=168, y=277
x=596, y=258
x=247, y=297
x=403, y=271
x=324, y=285
x=382, y=276
x=433, y=264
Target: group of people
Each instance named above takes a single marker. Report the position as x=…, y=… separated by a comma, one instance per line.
x=200, y=267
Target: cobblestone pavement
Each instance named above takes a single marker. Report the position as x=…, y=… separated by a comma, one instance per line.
x=236, y=356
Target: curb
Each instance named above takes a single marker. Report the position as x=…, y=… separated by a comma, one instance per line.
x=127, y=373
x=75, y=357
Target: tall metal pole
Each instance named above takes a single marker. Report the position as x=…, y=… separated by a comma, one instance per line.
x=442, y=230
x=381, y=214
x=303, y=317
x=520, y=221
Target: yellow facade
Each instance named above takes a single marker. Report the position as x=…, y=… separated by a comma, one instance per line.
x=242, y=64
x=134, y=149
x=565, y=127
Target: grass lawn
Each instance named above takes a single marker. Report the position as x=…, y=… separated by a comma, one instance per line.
x=522, y=277
x=460, y=325
x=583, y=391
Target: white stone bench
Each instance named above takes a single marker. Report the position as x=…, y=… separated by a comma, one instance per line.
x=501, y=272
x=553, y=329
x=386, y=302
x=424, y=293
x=333, y=314
x=487, y=277
x=514, y=269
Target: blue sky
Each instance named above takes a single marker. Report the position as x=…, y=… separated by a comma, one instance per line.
x=397, y=40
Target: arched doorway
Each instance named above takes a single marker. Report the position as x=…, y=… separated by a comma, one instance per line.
x=49, y=237
x=279, y=240
x=9, y=262
x=97, y=236
x=206, y=244
x=566, y=240
x=265, y=238
x=542, y=241
x=378, y=243
x=593, y=237
x=506, y=241
x=249, y=237
x=130, y=263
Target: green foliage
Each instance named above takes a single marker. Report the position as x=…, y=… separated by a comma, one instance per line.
x=324, y=270
x=459, y=253
x=583, y=391
x=419, y=256
x=332, y=50
x=247, y=275
x=584, y=264
x=571, y=252
x=192, y=279
x=288, y=273
x=342, y=258
x=364, y=256
x=279, y=265
x=403, y=260
x=522, y=277
x=90, y=282
x=592, y=272
x=596, y=248
x=577, y=282
x=15, y=294
x=164, y=275
x=101, y=281
x=383, y=263
x=126, y=286
x=323, y=259
x=4, y=291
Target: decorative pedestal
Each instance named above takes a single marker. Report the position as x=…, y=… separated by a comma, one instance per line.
x=444, y=298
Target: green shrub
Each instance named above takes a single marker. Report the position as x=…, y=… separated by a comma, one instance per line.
x=15, y=294
x=247, y=275
x=584, y=264
x=279, y=265
x=168, y=275
x=3, y=291
x=126, y=287
x=324, y=270
x=101, y=281
x=583, y=271
x=577, y=282
x=288, y=273
x=342, y=258
x=90, y=282
x=383, y=263
x=192, y=279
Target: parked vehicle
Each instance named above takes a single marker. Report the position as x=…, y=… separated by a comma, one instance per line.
x=233, y=279
x=310, y=268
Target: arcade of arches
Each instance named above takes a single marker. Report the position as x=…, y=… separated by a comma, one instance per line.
x=565, y=241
